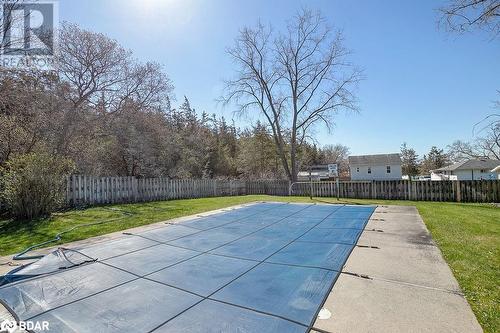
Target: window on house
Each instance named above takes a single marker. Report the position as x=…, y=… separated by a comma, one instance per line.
x=482, y=171
x=357, y=169
x=388, y=169
x=369, y=170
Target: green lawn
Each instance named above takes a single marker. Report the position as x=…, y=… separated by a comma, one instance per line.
x=467, y=234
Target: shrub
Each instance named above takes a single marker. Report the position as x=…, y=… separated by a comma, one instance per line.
x=33, y=184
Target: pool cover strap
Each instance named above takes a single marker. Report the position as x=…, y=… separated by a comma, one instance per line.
x=183, y=275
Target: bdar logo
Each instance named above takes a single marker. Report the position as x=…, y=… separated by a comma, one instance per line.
x=8, y=326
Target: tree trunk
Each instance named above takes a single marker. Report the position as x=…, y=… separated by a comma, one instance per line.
x=281, y=152
x=293, y=160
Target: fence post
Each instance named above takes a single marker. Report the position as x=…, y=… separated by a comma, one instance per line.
x=135, y=192
x=81, y=189
x=459, y=194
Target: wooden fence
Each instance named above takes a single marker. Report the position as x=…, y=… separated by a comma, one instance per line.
x=458, y=191
x=102, y=190
x=89, y=190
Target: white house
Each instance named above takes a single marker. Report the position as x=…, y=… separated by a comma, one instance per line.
x=497, y=171
x=375, y=167
x=474, y=169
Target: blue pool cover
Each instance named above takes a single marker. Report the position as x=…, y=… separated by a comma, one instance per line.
x=265, y=267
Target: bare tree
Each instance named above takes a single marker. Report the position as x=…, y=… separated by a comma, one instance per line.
x=337, y=154
x=490, y=121
x=7, y=21
x=485, y=146
x=296, y=80
x=460, y=150
x=464, y=15
x=490, y=143
x=102, y=76
x=100, y=71
x=28, y=109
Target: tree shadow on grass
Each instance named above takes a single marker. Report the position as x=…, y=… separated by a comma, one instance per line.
x=10, y=225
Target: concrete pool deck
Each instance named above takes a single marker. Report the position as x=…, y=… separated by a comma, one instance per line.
x=395, y=280
x=402, y=285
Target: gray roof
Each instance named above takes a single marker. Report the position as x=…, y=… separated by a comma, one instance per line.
x=482, y=163
x=379, y=159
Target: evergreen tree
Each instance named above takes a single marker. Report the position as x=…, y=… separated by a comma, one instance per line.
x=409, y=157
x=435, y=159
x=257, y=158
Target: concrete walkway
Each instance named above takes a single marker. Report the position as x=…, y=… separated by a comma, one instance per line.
x=409, y=288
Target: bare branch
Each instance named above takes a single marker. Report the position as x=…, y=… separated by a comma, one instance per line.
x=102, y=73
x=299, y=80
x=464, y=15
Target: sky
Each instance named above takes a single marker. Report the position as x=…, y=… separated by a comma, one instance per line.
x=422, y=85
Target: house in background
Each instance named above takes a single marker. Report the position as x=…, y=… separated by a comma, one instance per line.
x=473, y=169
x=375, y=167
x=497, y=171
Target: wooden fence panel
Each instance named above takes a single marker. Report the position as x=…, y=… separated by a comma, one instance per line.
x=439, y=191
x=90, y=190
